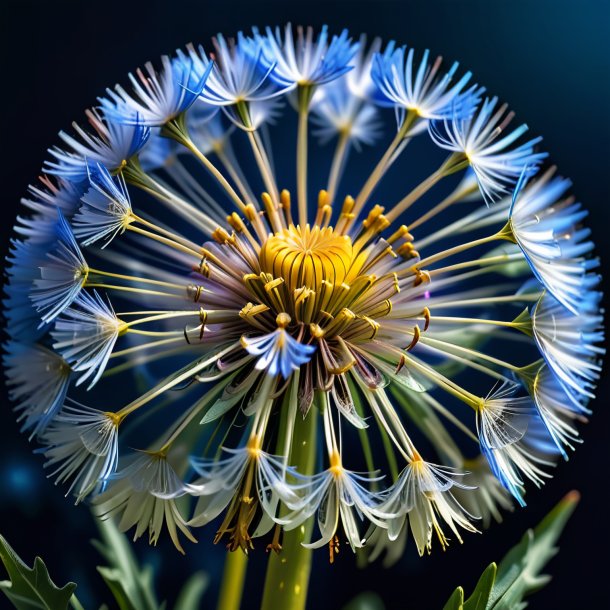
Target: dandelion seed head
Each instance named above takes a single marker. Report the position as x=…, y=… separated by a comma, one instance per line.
x=320, y=354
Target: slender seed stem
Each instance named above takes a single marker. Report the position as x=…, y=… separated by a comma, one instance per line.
x=216, y=173
x=263, y=168
x=166, y=232
x=132, y=278
x=242, y=187
x=166, y=241
x=422, y=188
x=469, y=363
x=173, y=380
x=457, y=249
x=145, y=359
x=512, y=298
x=135, y=175
x=452, y=320
x=304, y=99
x=443, y=382
x=150, y=345
x=177, y=130
x=479, y=262
x=263, y=147
x=193, y=188
x=201, y=404
x=338, y=164
x=155, y=333
x=162, y=316
x=211, y=315
x=382, y=165
x=455, y=197
x=132, y=289
x=445, y=346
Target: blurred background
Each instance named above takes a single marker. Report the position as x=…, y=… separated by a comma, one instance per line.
x=549, y=59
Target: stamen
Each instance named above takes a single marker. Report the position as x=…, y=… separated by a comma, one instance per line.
x=416, y=335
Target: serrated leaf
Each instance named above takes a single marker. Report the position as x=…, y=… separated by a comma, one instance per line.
x=482, y=592
x=131, y=586
x=31, y=588
x=192, y=592
x=519, y=572
x=456, y=601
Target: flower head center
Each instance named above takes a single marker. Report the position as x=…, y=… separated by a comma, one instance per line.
x=308, y=257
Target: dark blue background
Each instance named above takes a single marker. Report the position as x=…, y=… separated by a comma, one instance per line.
x=549, y=59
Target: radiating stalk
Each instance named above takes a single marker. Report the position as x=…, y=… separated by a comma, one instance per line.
x=136, y=176
x=304, y=92
x=178, y=131
x=288, y=572
x=242, y=187
x=383, y=164
x=457, y=249
x=338, y=164
x=233, y=579
x=263, y=168
x=420, y=190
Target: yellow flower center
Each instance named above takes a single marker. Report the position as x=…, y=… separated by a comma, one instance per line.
x=308, y=257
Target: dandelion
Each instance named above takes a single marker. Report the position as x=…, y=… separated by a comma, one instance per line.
x=497, y=159
x=323, y=371
x=81, y=445
x=305, y=61
x=420, y=496
x=144, y=494
x=38, y=380
x=158, y=97
x=570, y=345
x=421, y=89
x=105, y=209
x=63, y=274
x=547, y=225
x=112, y=144
x=506, y=434
x=86, y=334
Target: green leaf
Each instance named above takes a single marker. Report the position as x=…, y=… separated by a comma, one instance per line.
x=131, y=586
x=224, y=404
x=192, y=591
x=456, y=601
x=31, y=588
x=482, y=592
x=518, y=575
x=365, y=601
x=519, y=572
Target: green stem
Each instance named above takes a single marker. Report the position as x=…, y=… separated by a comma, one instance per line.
x=233, y=579
x=76, y=605
x=288, y=572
